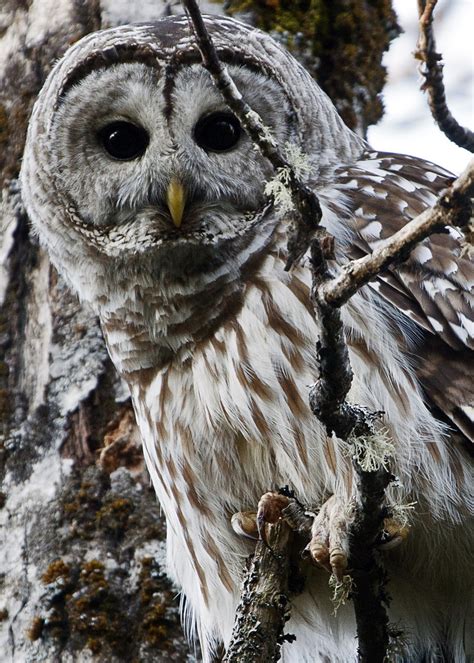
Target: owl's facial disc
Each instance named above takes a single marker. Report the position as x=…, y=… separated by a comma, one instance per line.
x=157, y=158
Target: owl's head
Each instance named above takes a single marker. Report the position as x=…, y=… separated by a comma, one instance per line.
x=132, y=154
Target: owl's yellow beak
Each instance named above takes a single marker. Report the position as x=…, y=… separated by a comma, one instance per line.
x=176, y=200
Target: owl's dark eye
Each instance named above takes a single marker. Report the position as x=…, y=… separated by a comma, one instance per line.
x=217, y=132
x=124, y=140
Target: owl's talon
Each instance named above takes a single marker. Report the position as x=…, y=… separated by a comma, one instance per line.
x=244, y=523
x=393, y=534
x=269, y=511
x=319, y=553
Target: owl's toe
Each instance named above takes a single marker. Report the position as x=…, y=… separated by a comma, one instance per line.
x=269, y=511
x=244, y=523
x=329, y=544
x=394, y=533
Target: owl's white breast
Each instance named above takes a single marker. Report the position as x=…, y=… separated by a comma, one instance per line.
x=227, y=419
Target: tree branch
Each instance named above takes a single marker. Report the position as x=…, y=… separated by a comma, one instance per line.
x=264, y=605
x=327, y=395
x=354, y=424
x=369, y=577
x=453, y=207
x=431, y=69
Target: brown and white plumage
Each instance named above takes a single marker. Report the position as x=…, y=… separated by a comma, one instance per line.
x=433, y=287
x=216, y=340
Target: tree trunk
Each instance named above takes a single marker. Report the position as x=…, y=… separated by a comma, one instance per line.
x=82, y=539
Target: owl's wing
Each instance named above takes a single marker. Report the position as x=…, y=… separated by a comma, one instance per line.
x=433, y=288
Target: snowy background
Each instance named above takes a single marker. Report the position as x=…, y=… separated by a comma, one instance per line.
x=407, y=125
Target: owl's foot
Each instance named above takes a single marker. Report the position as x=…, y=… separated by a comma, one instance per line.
x=329, y=544
x=252, y=524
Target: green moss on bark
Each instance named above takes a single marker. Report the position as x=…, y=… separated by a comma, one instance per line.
x=341, y=42
x=84, y=602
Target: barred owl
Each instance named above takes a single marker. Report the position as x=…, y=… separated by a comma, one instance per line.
x=149, y=197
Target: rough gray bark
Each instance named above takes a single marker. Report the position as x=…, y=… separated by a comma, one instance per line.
x=81, y=538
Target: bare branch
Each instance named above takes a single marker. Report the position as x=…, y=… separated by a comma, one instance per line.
x=327, y=395
x=264, y=605
x=453, y=207
x=431, y=69
x=352, y=422
x=369, y=597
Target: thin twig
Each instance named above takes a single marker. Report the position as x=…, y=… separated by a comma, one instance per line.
x=453, y=207
x=431, y=69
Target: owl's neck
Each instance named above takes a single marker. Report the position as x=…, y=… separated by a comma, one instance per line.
x=162, y=314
